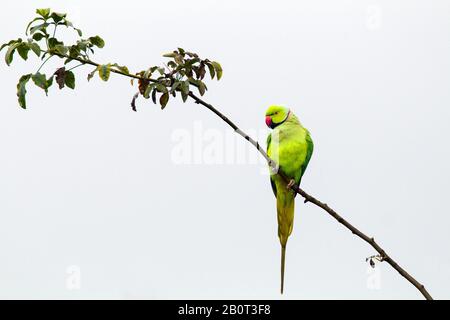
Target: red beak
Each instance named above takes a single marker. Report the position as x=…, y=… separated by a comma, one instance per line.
x=269, y=121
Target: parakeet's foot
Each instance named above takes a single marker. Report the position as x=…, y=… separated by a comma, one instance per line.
x=290, y=184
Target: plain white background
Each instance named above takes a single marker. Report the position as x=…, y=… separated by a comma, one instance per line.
x=86, y=182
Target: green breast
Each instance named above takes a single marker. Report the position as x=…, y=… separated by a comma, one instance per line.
x=288, y=147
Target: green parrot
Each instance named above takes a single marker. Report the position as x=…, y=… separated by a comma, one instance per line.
x=291, y=147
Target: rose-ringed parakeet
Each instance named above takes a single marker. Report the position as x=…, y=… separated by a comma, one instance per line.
x=291, y=147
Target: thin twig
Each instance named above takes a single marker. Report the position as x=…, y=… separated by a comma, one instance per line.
x=54, y=31
x=45, y=61
x=78, y=65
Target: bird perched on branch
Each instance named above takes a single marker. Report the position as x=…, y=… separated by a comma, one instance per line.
x=291, y=147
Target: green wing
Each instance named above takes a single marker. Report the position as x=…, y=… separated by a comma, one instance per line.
x=309, y=152
x=272, y=182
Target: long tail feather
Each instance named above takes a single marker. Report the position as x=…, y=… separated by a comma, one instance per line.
x=283, y=259
x=285, y=214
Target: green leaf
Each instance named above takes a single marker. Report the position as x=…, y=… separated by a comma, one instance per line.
x=160, y=70
x=212, y=72
x=10, y=53
x=21, y=90
x=192, y=55
x=163, y=100
x=133, y=102
x=74, y=51
x=23, y=50
x=184, y=96
x=123, y=69
x=9, y=43
x=61, y=49
x=44, y=13
x=39, y=27
x=218, y=69
x=191, y=62
x=53, y=42
x=91, y=74
x=147, y=74
x=104, y=71
x=49, y=84
x=147, y=91
x=68, y=24
x=161, y=88
x=35, y=48
x=188, y=71
x=170, y=55
x=82, y=45
x=179, y=59
x=40, y=80
x=69, y=79
x=175, y=86
x=185, y=87
x=201, y=88
x=154, y=96
x=171, y=64
x=97, y=41
x=31, y=22
x=38, y=36
x=57, y=17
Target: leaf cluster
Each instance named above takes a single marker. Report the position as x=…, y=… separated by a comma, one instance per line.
x=184, y=71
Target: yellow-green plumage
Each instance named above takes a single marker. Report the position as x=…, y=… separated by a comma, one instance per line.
x=291, y=147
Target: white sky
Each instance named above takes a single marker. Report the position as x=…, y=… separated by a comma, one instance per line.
x=86, y=182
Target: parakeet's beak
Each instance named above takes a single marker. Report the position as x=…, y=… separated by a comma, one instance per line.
x=269, y=121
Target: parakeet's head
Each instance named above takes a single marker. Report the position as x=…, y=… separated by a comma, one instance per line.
x=276, y=115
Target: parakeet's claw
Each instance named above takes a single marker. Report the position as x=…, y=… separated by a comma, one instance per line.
x=290, y=184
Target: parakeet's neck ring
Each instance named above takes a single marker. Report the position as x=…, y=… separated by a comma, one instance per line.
x=284, y=120
x=272, y=125
x=287, y=116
